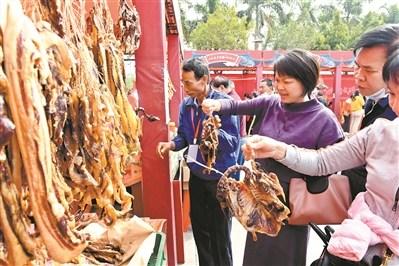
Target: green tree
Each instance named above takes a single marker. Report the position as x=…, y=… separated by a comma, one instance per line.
x=212, y=5
x=300, y=30
x=295, y=34
x=202, y=12
x=286, y=24
x=352, y=9
x=266, y=14
x=392, y=14
x=307, y=12
x=188, y=24
x=336, y=33
x=329, y=27
x=222, y=30
x=205, y=9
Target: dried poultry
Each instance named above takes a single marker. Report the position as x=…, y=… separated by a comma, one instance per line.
x=209, y=140
x=255, y=201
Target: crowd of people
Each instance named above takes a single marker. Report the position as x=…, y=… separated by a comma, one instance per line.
x=292, y=116
x=294, y=134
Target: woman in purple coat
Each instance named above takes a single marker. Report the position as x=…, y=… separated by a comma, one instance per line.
x=292, y=117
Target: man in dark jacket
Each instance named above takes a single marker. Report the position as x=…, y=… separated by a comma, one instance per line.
x=211, y=226
x=371, y=52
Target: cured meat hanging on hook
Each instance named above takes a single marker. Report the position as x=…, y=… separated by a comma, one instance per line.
x=256, y=201
x=210, y=140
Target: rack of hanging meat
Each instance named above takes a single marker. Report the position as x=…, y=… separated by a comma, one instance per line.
x=67, y=131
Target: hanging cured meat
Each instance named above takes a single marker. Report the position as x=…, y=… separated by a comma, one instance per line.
x=256, y=202
x=210, y=140
x=75, y=132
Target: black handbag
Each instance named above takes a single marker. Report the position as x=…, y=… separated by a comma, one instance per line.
x=326, y=258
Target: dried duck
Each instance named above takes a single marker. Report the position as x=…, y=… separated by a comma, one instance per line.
x=256, y=202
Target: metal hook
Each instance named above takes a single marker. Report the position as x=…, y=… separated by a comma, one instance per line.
x=151, y=118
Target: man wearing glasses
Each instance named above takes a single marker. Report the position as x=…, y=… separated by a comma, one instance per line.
x=211, y=225
x=371, y=52
x=265, y=87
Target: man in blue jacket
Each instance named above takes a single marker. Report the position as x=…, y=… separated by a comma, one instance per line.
x=210, y=224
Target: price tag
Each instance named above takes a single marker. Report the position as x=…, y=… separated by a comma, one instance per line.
x=192, y=153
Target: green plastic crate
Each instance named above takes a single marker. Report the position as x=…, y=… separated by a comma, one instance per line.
x=158, y=254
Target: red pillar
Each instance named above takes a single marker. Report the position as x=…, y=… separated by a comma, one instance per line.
x=337, y=90
x=174, y=59
x=259, y=75
x=151, y=66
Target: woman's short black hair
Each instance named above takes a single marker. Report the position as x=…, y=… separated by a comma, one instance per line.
x=301, y=65
x=391, y=68
x=196, y=65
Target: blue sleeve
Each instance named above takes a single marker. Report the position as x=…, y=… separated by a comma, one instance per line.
x=181, y=139
x=229, y=133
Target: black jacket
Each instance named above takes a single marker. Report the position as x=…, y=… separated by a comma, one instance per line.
x=357, y=176
x=381, y=110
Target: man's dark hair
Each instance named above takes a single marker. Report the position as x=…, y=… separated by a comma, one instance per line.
x=300, y=65
x=383, y=35
x=391, y=68
x=269, y=82
x=248, y=96
x=354, y=94
x=220, y=80
x=196, y=65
